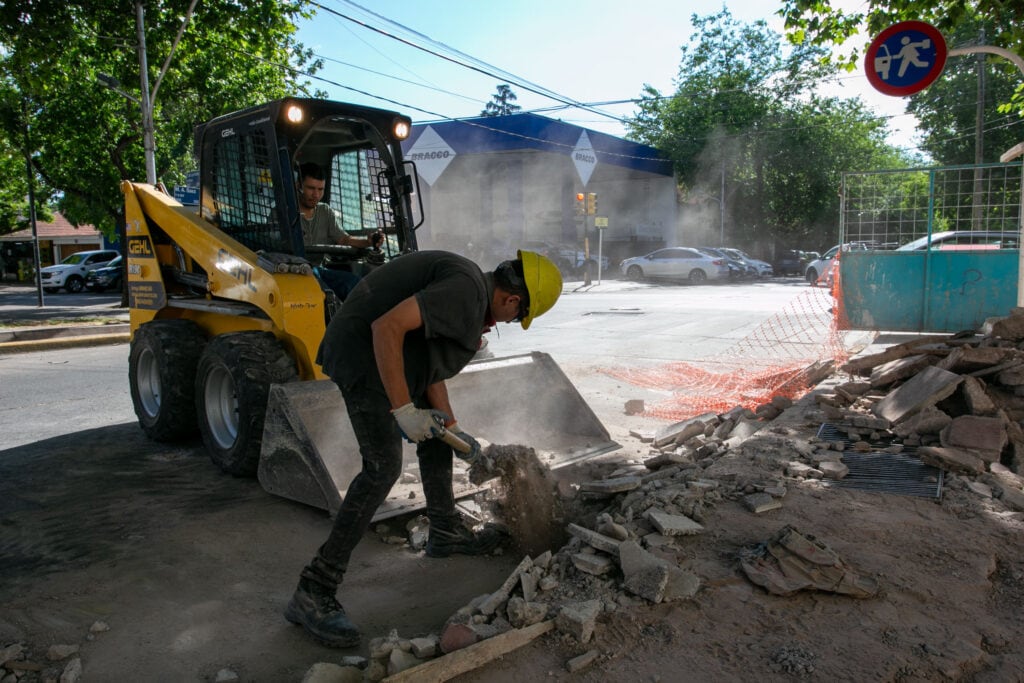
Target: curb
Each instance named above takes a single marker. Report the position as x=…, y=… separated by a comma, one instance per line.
x=43, y=339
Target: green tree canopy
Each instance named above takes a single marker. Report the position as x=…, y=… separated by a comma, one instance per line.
x=502, y=102
x=817, y=22
x=84, y=138
x=744, y=116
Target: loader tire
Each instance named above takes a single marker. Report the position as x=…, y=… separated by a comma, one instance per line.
x=162, y=374
x=232, y=384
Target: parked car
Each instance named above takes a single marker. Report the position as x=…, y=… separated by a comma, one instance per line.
x=959, y=240
x=819, y=271
x=737, y=269
x=761, y=268
x=676, y=263
x=106, y=277
x=788, y=262
x=569, y=260
x=70, y=273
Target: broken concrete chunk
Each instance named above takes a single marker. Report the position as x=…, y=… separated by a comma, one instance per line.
x=745, y=428
x=976, y=398
x=921, y=391
x=956, y=460
x=681, y=431
x=895, y=370
x=496, y=598
x=976, y=432
x=72, y=672
x=597, y=565
x=634, y=406
x=931, y=420
x=803, y=471
x=425, y=648
x=644, y=435
x=833, y=470
x=611, y=485
x=653, y=578
x=673, y=525
x=592, y=538
x=579, y=619
x=328, y=672
x=59, y=652
x=760, y=502
x=583, y=661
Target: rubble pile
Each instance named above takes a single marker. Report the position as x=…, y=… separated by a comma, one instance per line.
x=959, y=400
x=60, y=662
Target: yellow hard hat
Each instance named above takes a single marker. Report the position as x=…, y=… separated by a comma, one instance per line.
x=543, y=282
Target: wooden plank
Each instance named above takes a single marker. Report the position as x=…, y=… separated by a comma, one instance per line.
x=468, y=658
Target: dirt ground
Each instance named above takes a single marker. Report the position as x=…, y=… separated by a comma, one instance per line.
x=190, y=569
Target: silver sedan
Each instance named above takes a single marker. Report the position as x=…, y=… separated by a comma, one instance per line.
x=676, y=263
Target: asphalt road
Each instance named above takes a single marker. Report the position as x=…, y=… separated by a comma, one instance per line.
x=617, y=323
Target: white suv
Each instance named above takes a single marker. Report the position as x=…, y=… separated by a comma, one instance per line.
x=70, y=273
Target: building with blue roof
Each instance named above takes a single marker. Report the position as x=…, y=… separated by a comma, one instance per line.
x=490, y=185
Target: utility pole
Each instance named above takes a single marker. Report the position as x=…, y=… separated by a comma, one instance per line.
x=31, y=179
x=148, y=141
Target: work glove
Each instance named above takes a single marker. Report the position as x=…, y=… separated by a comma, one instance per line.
x=474, y=445
x=419, y=424
x=376, y=239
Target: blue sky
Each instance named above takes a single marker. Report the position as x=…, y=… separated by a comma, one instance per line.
x=583, y=50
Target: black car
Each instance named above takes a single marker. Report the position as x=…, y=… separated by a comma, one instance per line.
x=107, y=277
x=789, y=262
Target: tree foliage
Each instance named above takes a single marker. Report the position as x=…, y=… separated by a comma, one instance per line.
x=818, y=22
x=85, y=138
x=502, y=102
x=947, y=109
x=743, y=112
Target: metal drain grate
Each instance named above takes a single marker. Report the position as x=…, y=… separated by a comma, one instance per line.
x=900, y=473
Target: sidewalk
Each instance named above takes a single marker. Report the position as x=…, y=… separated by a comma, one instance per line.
x=64, y=320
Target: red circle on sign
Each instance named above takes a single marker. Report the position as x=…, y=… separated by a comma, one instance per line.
x=924, y=81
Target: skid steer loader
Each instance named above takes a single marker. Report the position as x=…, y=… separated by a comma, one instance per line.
x=227, y=314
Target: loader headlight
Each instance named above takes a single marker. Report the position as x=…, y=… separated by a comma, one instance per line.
x=294, y=113
x=401, y=129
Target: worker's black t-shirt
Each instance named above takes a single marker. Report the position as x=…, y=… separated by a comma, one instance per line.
x=453, y=295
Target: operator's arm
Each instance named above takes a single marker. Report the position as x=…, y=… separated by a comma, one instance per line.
x=367, y=242
x=389, y=332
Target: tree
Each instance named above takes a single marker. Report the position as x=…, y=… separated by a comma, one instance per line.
x=743, y=116
x=501, y=103
x=817, y=22
x=86, y=139
x=947, y=109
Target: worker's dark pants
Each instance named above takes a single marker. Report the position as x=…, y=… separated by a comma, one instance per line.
x=380, y=444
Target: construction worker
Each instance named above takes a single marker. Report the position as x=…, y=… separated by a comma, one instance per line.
x=407, y=327
x=320, y=226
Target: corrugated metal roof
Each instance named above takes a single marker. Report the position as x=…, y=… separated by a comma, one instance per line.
x=532, y=131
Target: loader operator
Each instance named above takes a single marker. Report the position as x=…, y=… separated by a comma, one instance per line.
x=407, y=327
x=320, y=226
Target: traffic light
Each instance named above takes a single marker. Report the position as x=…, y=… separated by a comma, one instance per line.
x=580, y=206
x=591, y=203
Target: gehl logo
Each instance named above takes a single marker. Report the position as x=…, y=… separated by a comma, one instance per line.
x=140, y=246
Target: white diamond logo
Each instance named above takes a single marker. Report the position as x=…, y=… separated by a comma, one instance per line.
x=584, y=158
x=431, y=155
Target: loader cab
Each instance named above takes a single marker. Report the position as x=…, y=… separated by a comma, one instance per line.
x=249, y=163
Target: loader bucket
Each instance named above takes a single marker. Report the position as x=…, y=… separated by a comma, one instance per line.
x=310, y=453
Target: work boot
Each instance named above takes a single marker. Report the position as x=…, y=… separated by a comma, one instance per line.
x=314, y=607
x=457, y=538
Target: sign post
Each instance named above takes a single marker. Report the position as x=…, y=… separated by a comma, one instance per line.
x=601, y=223
x=905, y=58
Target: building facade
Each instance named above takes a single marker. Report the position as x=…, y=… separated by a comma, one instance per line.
x=492, y=184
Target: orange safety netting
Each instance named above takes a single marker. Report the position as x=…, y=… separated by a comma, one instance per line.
x=772, y=361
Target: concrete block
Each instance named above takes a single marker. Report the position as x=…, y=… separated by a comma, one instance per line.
x=680, y=431
x=956, y=460
x=833, y=470
x=976, y=397
x=977, y=432
x=598, y=565
x=673, y=525
x=579, y=619
x=594, y=539
x=761, y=502
x=425, y=648
x=895, y=370
x=931, y=420
x=634, y=406
x=583, y=661
x=923, y=390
